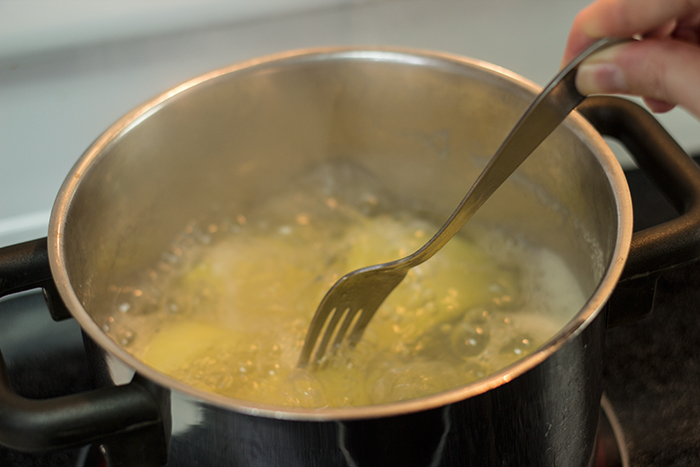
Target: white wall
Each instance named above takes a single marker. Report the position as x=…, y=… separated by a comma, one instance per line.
x=69, y=69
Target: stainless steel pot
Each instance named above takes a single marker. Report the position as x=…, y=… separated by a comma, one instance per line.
x=424, y=124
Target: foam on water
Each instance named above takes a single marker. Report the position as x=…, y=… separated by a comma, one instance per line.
x=228, y=306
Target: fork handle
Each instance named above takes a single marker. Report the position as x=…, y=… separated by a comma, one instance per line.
x=548, y=110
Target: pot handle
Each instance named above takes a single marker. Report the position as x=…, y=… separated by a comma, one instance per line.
x=664, y=246
x=116, y=415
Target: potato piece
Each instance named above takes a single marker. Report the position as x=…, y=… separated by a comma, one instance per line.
x=268, y=278
x=179, y=344
x=459, y=277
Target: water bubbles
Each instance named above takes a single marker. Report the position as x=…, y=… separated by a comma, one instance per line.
x=126, y=337
x=332, y=203
x=477, y=316
x=171, y=258
x=172, y=306
x=414, y=380
x=503, y=300
x=473, y=371
x=218, y=379
x=468, y=339
x=518, y=346
x=217, y=273
x=107, y=325
x=303, y=389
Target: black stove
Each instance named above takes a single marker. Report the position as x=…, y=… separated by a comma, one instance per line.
x=652, y=367
x=650, y=411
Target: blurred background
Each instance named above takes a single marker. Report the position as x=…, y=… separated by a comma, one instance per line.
x=69, y=69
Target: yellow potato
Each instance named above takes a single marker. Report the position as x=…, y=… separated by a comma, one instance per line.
x=459, y=277
x=177, y=344
x=244, y=304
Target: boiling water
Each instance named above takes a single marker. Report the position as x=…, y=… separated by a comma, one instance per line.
x=227, y=308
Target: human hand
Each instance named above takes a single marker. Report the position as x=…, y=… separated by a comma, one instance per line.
x=663, y=67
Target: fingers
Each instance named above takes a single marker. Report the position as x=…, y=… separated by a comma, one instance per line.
x=666, y=72
x=658, y=106
x=626, y=18
x=664, y=68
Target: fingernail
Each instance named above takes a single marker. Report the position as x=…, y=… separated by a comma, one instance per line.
x=600, y=78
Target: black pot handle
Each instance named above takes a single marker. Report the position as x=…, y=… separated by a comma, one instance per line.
x=112, y=416
x=664, y=246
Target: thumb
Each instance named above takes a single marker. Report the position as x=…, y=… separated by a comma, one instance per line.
x=664, y=72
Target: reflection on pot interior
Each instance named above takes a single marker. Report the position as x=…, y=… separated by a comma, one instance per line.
x=228, y=306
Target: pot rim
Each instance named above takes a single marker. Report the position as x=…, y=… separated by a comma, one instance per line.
x=589, y=312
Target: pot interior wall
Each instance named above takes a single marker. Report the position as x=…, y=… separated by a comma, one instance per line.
x=421, y=126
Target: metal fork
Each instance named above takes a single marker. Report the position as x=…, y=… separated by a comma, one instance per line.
x=353, y=300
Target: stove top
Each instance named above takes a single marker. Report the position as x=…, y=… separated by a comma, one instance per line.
x=651, y=372
x=652, y=367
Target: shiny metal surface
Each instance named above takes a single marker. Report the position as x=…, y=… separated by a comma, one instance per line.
x=352, y=301
x=612, y=448
x=546, y=417
x=424, y=124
